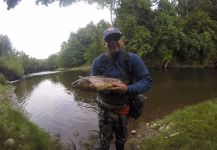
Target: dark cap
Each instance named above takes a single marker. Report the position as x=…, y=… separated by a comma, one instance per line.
x=111, y=31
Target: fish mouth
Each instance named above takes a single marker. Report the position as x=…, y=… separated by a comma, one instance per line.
x=75, y=83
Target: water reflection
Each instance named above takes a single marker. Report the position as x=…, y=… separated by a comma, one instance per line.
x=71, y=114
x=54, y=106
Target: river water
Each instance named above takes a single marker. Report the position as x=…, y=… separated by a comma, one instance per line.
x=71, y=115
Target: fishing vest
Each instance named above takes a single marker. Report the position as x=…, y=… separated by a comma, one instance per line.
x=110, y=99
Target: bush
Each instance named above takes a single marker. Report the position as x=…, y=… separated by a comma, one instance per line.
x=2, y=79
x=11, y=67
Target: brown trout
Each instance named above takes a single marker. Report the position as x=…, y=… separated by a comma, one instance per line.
x=96, y=83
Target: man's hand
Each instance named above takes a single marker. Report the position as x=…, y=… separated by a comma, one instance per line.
x=119, y=88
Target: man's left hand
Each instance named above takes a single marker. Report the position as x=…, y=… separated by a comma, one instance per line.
x=119, y=88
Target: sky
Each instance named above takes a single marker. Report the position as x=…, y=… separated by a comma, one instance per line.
x=39, y=31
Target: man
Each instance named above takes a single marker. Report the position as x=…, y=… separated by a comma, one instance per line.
x=114, y=104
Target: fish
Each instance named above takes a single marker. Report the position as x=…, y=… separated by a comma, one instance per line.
x=96, y=83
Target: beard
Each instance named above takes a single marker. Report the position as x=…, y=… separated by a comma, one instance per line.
x=113, y=49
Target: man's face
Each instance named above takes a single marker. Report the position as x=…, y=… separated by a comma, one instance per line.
x=113, y=44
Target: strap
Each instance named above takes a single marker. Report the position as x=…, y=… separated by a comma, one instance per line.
x=126, y=69
x=110, y=107
x=103, y=62
x=126, y=62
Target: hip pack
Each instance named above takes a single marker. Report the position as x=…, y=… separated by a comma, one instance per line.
x=137, y=106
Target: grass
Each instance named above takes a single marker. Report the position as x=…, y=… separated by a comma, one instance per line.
x=27, y=136
x=3, y=88
x=81, y=68
x=193, y=128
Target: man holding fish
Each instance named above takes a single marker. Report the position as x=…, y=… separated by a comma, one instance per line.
x=114, y=103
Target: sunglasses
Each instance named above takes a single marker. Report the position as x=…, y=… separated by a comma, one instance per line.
x=113, y=38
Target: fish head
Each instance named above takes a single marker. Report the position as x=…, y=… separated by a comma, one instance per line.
x=83, y=83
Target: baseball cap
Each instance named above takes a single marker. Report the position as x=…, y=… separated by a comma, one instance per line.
x=111, y=32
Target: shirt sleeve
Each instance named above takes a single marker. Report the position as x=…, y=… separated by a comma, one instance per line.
x=141, y=74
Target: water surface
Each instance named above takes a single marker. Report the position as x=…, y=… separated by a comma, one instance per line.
x=71, y=114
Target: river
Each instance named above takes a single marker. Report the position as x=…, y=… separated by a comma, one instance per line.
x=71, y=115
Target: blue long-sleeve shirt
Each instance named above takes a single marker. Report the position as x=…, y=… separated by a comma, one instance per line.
x=136, y=66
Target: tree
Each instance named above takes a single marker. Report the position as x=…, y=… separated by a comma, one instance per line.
x=72, y=53
x=133, y=18
x=11, y=67
x=112, y=5
x=97, y=45
x=83, y=46
x=51, y=62
x=168, y=34
x=174, y=31
x=12, y=3
x=201, y=31
x=5, y=45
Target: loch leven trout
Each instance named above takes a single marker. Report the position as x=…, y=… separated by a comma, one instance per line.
x=96, y=83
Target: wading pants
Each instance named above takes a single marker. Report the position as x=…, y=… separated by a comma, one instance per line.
x=109, y=123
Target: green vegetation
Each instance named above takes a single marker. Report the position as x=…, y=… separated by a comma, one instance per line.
x=171, y=34
x=83, y=46
x=14, y=64
x=2, y=79
x=22, y=133
x=3, y=89
x=176, y=33
x=194, y=127
x=12, y=67
x=81, y=68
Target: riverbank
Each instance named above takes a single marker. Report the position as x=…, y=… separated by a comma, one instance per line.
x=175, y=66
x=194, y=127
x=17, y=132
x=80, y=68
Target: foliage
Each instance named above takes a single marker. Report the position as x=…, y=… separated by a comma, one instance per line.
x=167, y=34
x=11, y=3
x=164, y=33
x=14, y=64
x=2, y=79
x=96, y=47
x=5, y=45
x=141, y=41
x=32, y=65
x=82, y=46
x=162, y=36
x=51, y=62
x=72, y=54
x=3, y=90
x=201, y=39
x=12, y=67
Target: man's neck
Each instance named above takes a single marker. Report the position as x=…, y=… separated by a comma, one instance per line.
x=114, y=55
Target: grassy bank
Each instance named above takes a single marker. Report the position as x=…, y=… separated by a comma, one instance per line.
x=16, y=132
x=194, y=127
x=3, y=88
x=85, y=67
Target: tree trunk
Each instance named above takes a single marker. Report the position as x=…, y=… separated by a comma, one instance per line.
x=165, y=66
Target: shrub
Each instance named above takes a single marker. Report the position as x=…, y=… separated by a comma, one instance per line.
x=11, y=67
x=2, y=79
